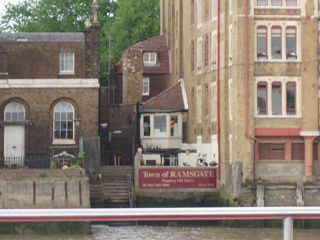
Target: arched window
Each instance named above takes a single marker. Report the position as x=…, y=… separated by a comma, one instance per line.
x=14, y=112
x=63, y=121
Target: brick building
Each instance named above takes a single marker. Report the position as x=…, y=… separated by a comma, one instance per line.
x=49, y=85
x=251, y=74
x=142, y=73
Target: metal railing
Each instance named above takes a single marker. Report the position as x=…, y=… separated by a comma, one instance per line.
x=287, y=214
x=31, y=162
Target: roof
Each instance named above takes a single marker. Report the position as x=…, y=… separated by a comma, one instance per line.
x=152, y=44
x=172, y=99
x=155, y=44
x=41, y=37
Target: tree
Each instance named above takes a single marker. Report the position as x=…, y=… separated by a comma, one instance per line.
x=135, y=21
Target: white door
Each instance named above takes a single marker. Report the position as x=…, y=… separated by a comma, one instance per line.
x=14, y=145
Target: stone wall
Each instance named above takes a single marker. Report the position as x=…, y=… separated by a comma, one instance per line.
x=39, y=189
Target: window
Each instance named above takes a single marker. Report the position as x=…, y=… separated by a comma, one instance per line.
x=214, y=8
x=214, y=50
x=145, y=86
x=192, y=12
x=270, y=151
x=262, y=2
x=262, y=43
x=291, y=43
x=291, y=98
x=193, y=101
x=199, y=11
x=206, y=14
x=174, y=126
x=230, y=99
x=66, y=62
x=177, y=23
x=291, y=2
x=206, y=110
x=14, y=112
x=206, y=50
x=160, y=126
x=192, y=55
x=230, y=44
x=63, y=121
x=199, y=104
x=276, y=2
x=146, y=126
x=199, y=54
x=276, y=98
x=214, y=101
x=150, y=58
x=276, y=42
x=262, y=98
x=297, y=151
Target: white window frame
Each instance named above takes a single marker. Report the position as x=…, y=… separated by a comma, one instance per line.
x=199, y=13
x=284, y=4
x=283, y=25
x=214, y=10
x=69, y=59
x=168, y=125
x=284, y=81
x=230, y=99
x=214, y=101
x=64, y=140
x=14, y=108
x=214, y=50
x=150, y=58
x=145, y=81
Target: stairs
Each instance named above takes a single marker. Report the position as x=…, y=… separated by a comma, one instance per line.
x=114, y=184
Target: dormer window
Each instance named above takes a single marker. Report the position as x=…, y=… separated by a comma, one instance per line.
x=150, y=58
x=66, y=63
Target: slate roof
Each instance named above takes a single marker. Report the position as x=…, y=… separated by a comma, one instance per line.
x=172, y=99
x=42, y=37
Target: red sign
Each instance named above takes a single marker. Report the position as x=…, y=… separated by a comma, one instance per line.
x=178, y=178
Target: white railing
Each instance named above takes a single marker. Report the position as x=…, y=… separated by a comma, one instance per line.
x=287, y=214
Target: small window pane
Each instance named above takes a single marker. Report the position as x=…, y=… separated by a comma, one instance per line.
x=70, y=134
x=276, y=99
x=57, y=135
x=8, y=117
x=57, y=125
x=160, y=126
x=262, y=98
x=291, y=2
x=291, y=99
x=262, y=2
x=57, y=116
x=174, y=126
x=276, y=43
x=70, y=125
x=146, y=125
x=291, y=42
x=14, y=116
x=276, y=2
x=64, y=134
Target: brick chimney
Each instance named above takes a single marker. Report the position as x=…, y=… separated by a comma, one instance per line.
x=92, y=43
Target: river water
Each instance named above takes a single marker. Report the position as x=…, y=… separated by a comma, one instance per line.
x=102, y=232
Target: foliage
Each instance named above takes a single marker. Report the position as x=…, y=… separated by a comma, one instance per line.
x=136, y=20
x=65, y=167
x=81, y=158
x=54, y=165
x=43, y=175
x=126, y=21
x=75, y=166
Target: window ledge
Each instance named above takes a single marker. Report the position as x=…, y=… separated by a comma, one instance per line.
x=277, y=7
x=277, y=117
x=63, y=142
x=66, y=73
x=277, y=61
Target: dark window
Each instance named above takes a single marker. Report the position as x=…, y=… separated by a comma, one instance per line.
x=276, y=2
x=262, y=42
x=291, y=98
x=276, y=98
x=297, y=151
x=270, y=151
x=262, y=98
x=291, y=42
x=276, y=42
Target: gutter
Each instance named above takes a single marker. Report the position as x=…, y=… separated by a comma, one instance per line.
x=218, y=93
x=247, y=87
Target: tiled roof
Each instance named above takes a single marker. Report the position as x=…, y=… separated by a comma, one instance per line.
x=173, y=98
x=152, y=44
x=41, y=37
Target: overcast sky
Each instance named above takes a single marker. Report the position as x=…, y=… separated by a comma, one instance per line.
x=2, y=3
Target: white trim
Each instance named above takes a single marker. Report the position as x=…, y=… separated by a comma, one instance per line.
x=50, y=83
x=184, y=94
x=309, y=133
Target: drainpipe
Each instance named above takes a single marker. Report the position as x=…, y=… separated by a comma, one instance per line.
x=218, y=92
x=247, y=87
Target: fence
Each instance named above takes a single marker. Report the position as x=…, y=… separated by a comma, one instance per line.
x=31, y=161
x=287, y=214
